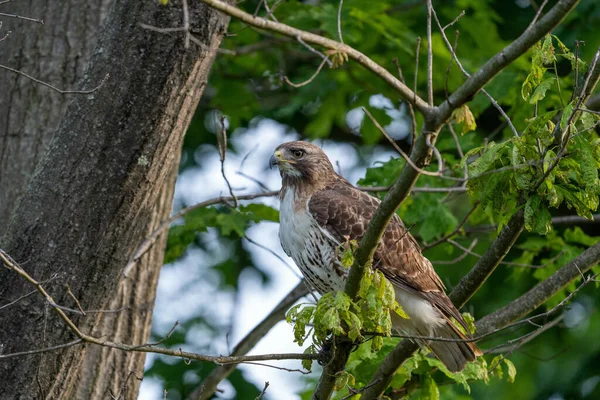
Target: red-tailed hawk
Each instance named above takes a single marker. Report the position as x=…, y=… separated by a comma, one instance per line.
x=320, y=210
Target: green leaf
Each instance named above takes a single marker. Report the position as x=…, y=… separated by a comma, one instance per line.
x=540, y=122
x=307, y=364
x=429, y=389
x=511, y=370
x=260, y=212
x=537, y=216
x=488, y=159
x=384, y=174
x=341, y=380
x=588, y=120
x=566, y=114
x=578, y=236
x=465, y=118
x=540, y=91
x=496, y=365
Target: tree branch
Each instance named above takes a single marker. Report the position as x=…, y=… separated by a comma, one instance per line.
x=473, y=280
x=510, y=53
x=144, y=348
x=539, y=294
x=209, y=385
x=308, y=37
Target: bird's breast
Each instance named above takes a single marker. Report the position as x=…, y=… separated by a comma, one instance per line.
x=308, y=245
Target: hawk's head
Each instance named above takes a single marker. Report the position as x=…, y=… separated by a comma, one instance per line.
x=302, y=161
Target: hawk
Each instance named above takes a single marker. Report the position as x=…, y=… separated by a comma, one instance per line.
x=320, y=210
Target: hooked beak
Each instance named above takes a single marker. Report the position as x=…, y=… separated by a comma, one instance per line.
x=275, y=159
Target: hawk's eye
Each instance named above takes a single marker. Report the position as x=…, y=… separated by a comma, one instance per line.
x=297, y=153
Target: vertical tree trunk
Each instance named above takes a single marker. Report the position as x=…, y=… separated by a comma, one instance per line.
x=56, y=52
x=105, y=182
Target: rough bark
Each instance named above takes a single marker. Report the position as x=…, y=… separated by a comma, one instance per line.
x=104, y=183
x=56, y=52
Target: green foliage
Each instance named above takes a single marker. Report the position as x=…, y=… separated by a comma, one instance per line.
x=423, y=367
x=230, y=222
x=336, y=314
x=429, y=389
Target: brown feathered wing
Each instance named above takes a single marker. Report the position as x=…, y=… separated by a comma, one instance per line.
x=344, y=211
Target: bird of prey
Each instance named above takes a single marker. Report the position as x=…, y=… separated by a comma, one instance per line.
x=320, y=210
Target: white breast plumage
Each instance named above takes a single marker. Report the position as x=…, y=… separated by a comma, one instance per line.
x=309, y=245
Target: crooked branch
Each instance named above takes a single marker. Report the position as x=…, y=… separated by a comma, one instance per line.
x=144, y=348
x=311, y=38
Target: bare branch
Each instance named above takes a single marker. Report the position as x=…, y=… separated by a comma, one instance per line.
x=37, y=21
x=339, y=21
x=44, y=350
x=144, y=348
x=473, y=280
x=537, y=14
x=90, y=91
x=311, y=38
x=542, y=291
x=429, y=56
x=309, y=80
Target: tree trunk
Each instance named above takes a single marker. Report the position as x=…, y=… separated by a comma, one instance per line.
x=105, y=182
x=56, y=52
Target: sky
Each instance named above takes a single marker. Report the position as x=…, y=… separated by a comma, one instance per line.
x=179, y=299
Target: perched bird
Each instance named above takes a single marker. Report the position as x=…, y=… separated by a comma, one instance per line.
x=320, y=210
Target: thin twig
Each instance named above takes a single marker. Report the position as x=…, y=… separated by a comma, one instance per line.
x=16, y=71
x=17, y=300
x=145, y=348
x=417, y=65
x=449, y=69
x=455, y=231
x=510, y=263
x=402, y=153
x=262, y=246
x=339, y=21
x=429, y=56
x=465, y=73
x=44, y=350
x=411, y=109
x=522, y=340
x=309, y=80
x=465, y=253
x=460, y=152
x=222, y=146
x=537, y=15
x=435, y=151
x=186, y=24
x=37, y=21
x=70, y=293
x=209, y=385
x=261, y=395
x=313, y=50
x=462, y=14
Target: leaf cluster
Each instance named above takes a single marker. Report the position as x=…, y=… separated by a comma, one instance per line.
x=336, y=314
